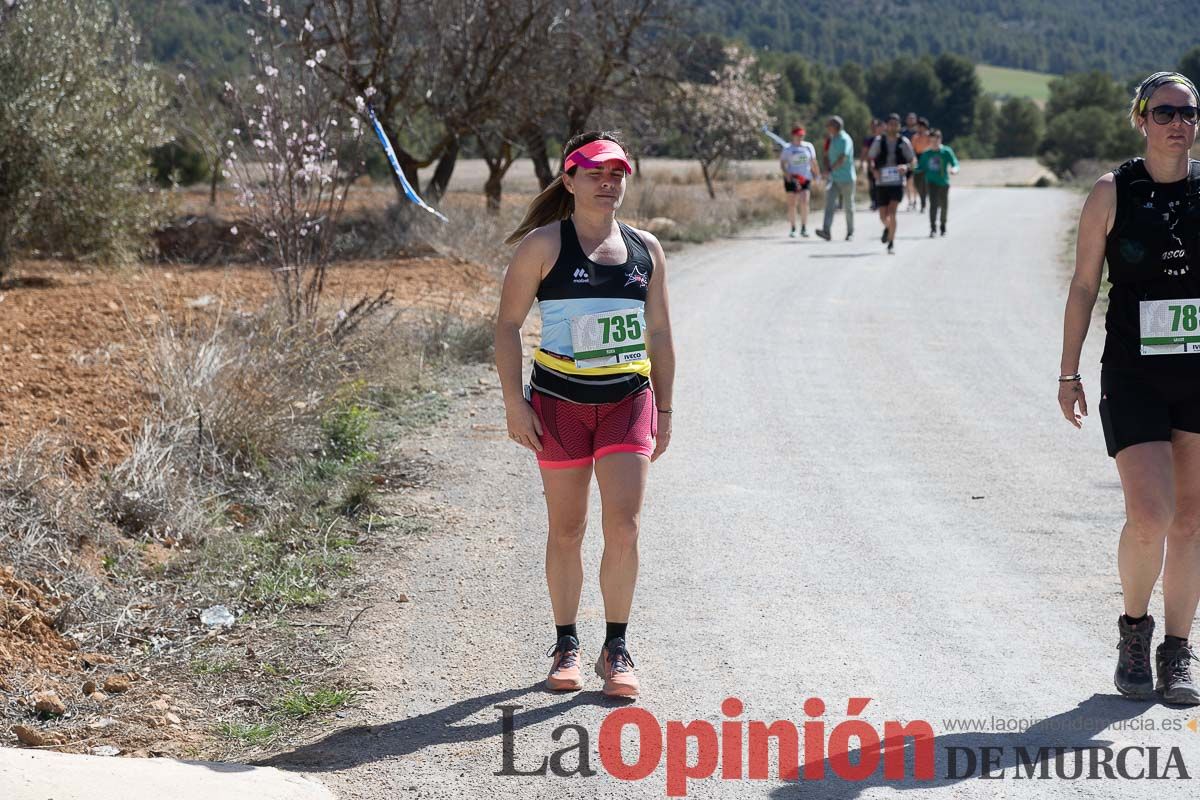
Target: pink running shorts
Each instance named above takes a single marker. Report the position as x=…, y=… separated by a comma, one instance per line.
x=576, y=434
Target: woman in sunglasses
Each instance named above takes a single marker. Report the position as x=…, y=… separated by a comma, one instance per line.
x=1144, y=219
x=593, y=405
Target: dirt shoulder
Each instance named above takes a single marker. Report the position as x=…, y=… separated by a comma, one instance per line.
x=75, y=337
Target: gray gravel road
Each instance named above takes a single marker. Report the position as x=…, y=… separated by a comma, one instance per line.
x=870, y=493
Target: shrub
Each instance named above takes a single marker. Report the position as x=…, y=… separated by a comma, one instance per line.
x=178, y=163
x=78, y=115
x=1018, y=128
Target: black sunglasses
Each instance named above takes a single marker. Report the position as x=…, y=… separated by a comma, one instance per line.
x=1164, y=114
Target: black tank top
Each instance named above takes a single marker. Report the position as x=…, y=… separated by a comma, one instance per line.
x=574, y=285
x=1153, y=253
x=574, y=276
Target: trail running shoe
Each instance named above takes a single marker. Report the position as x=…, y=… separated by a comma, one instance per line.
x=615, y=666
x=565, y=675
x=1133, y=677
x=824, y=234
x=1175, y=682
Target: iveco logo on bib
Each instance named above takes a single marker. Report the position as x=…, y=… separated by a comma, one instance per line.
x=581, y=275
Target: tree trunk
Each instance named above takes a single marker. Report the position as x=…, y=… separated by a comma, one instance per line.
x=493, y=187
x=5, y=253
x=497, y=168
x=409, y=166
x=535, y=143
x=708, y=180
x=216, y=178
x=441, y=175
x=637, y=167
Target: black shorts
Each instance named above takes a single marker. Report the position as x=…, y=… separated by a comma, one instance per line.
x=1136, y=408
x=796, y=184
x=888, y=194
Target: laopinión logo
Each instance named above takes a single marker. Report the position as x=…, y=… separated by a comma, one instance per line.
x=741, y=749
x=853, y=750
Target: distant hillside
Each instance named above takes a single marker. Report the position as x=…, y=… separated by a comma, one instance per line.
x=210, y=34
x=1122, y=37
x=1008, y=82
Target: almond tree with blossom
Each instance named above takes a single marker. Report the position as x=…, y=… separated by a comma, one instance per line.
x=721, y=120
x=283, y=160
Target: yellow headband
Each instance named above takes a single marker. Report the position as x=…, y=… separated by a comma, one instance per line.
x=1161, y=79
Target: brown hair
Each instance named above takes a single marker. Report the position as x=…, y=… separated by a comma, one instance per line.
x=555, y=202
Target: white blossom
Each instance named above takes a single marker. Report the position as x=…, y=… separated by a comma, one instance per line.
x=233, y=230
x=360, y=104
x=369, y=91
x=271, y=72
x=308, y=26
x=320, y=56
x=310, y=63
x=228, y=86
x=260, y=89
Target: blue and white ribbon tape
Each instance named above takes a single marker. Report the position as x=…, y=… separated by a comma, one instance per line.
x=774, y=136
x=409, y=192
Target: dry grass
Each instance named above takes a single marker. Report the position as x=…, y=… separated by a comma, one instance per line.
x=684, y=212
x=253, y=483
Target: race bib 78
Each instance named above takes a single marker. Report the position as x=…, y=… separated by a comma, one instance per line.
x=1169, y=326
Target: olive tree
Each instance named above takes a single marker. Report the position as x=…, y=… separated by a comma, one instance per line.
x=78, y=117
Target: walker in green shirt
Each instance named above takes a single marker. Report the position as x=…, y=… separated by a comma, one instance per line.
x=936, y=163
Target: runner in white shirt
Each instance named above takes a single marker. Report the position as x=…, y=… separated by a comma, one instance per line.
x=799, y=164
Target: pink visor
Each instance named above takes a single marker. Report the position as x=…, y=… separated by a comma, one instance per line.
x=594, y=154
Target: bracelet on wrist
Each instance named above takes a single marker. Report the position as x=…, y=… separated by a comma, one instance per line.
x=1069, y=378
x=666, y=411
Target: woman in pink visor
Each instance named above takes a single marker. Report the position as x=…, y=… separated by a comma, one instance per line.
x=592, y=404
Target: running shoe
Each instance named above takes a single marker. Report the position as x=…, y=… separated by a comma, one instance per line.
x=1133, y=677
x=565, y=675
x=943, y=230
x=849, y=236
x=1175, y=682
x=891, y=248
x=793, y=233
x=883, y=236
x=804, y=232
x=824, y=234
x=615, y=666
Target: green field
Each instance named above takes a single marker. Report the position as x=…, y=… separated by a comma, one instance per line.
x=1006, y=82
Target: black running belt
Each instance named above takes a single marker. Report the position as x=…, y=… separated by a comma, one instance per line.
x=592, y=389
